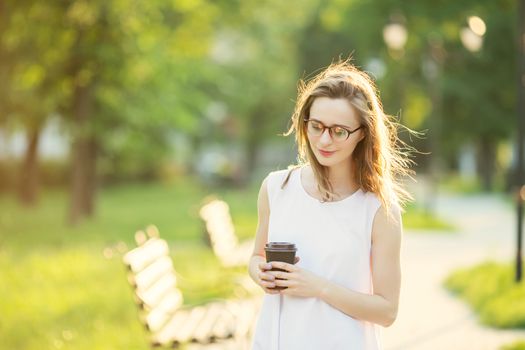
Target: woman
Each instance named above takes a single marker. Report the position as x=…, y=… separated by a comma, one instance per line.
x=341, y=206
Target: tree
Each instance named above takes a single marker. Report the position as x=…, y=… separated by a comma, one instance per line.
x=107, y=68
x=30, y=56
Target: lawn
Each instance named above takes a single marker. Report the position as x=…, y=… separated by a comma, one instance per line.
x=416, y=218
x=65, y=288
x=518, y=345
x=489, y=288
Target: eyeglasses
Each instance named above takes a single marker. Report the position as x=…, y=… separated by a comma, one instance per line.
x=337, y=133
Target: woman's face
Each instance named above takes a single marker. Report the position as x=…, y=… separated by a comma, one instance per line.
x=330, y=112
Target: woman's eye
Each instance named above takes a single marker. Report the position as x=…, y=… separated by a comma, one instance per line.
x=340, y=131
x=316, y=126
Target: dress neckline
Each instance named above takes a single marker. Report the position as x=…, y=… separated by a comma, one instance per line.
x=303, y=189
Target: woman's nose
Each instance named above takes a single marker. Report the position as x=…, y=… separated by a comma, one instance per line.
x=326, y=138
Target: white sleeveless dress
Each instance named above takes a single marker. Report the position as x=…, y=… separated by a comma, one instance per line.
x=333, y=240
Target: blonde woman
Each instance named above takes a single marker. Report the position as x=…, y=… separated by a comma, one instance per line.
x=341, y=207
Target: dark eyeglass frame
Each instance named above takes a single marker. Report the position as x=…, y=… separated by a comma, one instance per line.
x=330, y=128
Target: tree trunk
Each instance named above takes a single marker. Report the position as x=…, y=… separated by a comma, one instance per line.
x=88, y=204
x=486, y=162
x=28, y=185
x=253, y=142
x=83, y=157
x=196, y=147
x=251, y=156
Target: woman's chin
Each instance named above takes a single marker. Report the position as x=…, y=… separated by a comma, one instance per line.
x=328, y=162
x=325, y=162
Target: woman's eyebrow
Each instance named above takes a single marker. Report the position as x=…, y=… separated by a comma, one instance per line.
x=343, y=126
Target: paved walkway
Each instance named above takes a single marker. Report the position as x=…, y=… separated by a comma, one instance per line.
x=429, y=317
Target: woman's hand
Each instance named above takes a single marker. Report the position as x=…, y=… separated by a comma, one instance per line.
x=300, y=282
x=266, y=279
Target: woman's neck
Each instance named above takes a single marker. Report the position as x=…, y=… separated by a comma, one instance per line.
x=342, y=180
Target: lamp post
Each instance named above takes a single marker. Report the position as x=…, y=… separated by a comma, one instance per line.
x=395, y=37
x=521, y=127
x=472, y=39
x=472, y=35
x=431, y=69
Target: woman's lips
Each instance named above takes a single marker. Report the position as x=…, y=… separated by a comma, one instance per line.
x=326, y=154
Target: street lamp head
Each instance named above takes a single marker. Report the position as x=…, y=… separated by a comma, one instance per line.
x=477, y=25
x=472, y=36
x=395, y=36
x=470, y=39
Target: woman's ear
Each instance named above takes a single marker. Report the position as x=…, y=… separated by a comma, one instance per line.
x=361, y=136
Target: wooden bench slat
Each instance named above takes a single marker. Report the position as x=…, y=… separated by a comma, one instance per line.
x=221, y=231
x=145, y=249
x=245, y=312
x=152, y=275
x=153, y=295
x=145, y=278
x=168, y=333
x=196, y=316
x=203, y=332
x=140, y=257
x=160, y=315
x=224, y=327
x=222, y=228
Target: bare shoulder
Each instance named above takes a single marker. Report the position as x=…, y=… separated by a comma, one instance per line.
x=387, y=224
x=263, y=191
x=263, y=213
x=263, y=202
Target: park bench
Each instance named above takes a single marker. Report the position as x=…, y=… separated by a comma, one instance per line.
x=169, y=322
x=219, y=226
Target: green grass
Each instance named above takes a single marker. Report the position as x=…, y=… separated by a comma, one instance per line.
x=518, y=345
x=456, y=184
x=66, y=288
x=70, y=298
x=418, y=219
x=489, y=288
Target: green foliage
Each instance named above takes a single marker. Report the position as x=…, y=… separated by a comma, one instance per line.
x=129, y=66
x=491, y=291
x=155, y=67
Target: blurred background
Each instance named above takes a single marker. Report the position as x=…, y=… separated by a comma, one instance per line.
x=117, y=114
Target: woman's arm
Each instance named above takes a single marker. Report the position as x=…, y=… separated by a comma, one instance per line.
x=257, y=264
x=382, y=306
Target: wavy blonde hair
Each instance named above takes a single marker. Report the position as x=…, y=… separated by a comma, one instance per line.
x=380, y=158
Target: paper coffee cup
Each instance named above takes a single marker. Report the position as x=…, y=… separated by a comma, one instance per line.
x=280, y=251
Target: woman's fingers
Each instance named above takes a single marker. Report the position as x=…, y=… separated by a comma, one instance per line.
x=266, y=276
x=265, y=266
x=279, y=274
x=267, y=284
x=271, y=291
x=268, y=287
x=284, y=266
x=268, y=279
x=283, y=283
